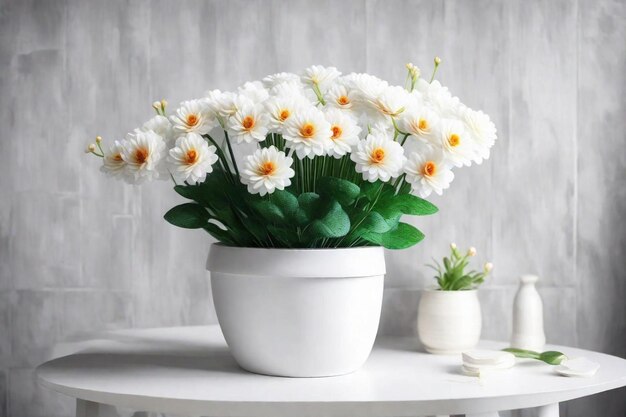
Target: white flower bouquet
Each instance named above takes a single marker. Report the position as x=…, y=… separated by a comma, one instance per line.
x=338, y=160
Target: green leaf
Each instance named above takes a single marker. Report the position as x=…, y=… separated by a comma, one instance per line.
x=270, y=211
x=552, y=357
x=344, y=191
x=310, y=204
x=375, y=222
x=523, y=353
x=219, y=233
x=188, y=216
x=401, y=237
x=335, y=223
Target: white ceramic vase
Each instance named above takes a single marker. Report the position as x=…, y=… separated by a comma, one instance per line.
x=449, y=322
x=298, y=312
x=528, y=330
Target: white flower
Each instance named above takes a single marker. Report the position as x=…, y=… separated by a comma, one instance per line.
x=280, y=109
x=192, y=158
x=113, y=164
x=420, y=122
x=193, y=116
x=307, y=132
x=341, y=97
x=428, y=172
x=345, y=132
x=249, y=124
x=279, y=78
x=455, y=143
x=378, y=157
x=142, y=151
x=295, y=90
x=224, y=104
x=266, y=170
x=254, y=91
x=161, y=126
x=482, y=131
x=391, y=102
x=439, y=98
x=366, y=87
x=320, y=76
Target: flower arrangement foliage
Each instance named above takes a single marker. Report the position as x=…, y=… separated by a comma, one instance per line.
x=336, y=160
x=452, y=275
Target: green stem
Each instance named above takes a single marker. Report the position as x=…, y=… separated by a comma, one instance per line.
x=232, y=155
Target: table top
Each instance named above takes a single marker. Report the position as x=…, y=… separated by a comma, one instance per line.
x=188, y=370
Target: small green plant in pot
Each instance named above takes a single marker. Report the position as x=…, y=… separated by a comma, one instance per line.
x=449, y=317
x=452, y=276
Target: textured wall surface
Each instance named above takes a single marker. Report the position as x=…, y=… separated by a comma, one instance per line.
x=80, y=253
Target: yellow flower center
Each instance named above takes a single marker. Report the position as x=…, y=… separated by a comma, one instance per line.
x=192, y=120
x=284, y=115
x=248, y=122
x=141, y=155
x=454, y=140
x=423, y=124
x=117, y=157
x=307, y=130
x=377, y=156
x=343, y=100
x=191, y=157
x=336, y=132
x=429, y=169
x=267, y=168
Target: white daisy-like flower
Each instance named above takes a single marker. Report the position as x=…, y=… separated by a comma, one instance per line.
x=378, y=157
x=192, y=158
x=193, y=116
x=224, y=104
x=254, y=91
x=142, y=152
x=391, y=102
x=345, y=132
x=341, y=97
x=365, y=88
x=420, y=122
x=439, y=98
x=307, y=132
x=267, y=170
x=482, y=131
x=280, y=108
x=427, y=172
x=279, y=78
x=113, y=164
x=249, y=124
x=456, y=144
x=319, y=76
x=297, y=91
x=160, y=125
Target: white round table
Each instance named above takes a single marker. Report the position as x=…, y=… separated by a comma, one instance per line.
x=188, y=370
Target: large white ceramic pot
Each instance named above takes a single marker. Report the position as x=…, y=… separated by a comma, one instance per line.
x=449, y=322
x=298, y=312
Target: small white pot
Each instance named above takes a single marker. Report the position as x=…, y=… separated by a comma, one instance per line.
x=298, y=312
x=449, y=322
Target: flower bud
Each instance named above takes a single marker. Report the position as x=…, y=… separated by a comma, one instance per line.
x=437, y=60
x=156, y=105
x=98, y=139
x=471, y=251
x=488, y=267
x=163, y=105
x=91, y=148
x=452, y=245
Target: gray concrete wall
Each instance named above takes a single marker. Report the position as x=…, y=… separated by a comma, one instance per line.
x=79, y=252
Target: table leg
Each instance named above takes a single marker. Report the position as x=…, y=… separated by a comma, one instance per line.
x=87, y=408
